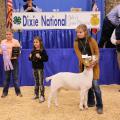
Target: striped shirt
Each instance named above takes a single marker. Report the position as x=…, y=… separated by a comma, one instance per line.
x=114, y=15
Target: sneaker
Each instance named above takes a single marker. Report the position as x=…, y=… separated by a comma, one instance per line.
x=91, y=105
x=99, y=110
x=35, y=97
x=3, y=96
x=41, y=99
x=20, y=95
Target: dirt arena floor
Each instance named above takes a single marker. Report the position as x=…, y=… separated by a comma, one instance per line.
x=24, y=108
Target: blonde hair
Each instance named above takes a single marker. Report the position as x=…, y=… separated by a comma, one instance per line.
x=84, y=28
x=9, y=30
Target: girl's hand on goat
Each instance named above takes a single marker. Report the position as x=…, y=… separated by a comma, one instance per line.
x=91, y=64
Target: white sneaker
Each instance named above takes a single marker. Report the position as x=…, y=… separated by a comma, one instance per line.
x=41, y=99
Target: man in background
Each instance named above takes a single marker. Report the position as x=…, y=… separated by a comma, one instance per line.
x=115, y=39
x=29, y=7
x=111, y=21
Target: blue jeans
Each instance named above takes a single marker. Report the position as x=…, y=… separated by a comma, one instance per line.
x=95, y=90
x=118, y=59
x=14, y=74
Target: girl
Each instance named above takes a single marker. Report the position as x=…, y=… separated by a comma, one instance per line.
x=11, y=64
x=86, y=45
x=38, y=55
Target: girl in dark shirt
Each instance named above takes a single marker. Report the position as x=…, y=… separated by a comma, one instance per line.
x=38, y=55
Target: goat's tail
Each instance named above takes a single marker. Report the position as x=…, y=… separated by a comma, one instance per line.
x=49, y=78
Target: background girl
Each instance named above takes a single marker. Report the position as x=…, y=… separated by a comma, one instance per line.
x=38, y=55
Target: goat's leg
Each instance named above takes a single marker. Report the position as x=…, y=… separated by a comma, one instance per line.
x=49, y=99
x=53, y=94
x=81, y=99
x=56, y=99
x=86, y=99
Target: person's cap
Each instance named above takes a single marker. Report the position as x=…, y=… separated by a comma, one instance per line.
x=26, y=0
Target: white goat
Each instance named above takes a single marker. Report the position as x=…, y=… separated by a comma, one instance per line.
x=76, y=81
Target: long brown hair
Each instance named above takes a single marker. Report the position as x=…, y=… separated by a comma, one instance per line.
x=84, y=28
x=40, y=42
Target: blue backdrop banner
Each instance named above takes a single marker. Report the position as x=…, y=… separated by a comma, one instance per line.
x=65, y=60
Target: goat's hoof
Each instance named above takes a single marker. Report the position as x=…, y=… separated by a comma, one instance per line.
x=86, y=108
x=81, y=108
x=57, y=105
x=48, y=106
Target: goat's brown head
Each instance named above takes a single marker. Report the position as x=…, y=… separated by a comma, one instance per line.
x=88, y=60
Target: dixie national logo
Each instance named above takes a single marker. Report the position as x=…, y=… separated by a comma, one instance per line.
x=17, y=20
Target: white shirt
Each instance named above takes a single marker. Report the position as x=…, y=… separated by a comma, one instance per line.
x=113, y=38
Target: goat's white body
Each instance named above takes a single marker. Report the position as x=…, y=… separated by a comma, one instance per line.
x=75, y=81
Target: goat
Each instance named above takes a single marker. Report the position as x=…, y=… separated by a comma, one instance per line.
x=76, y=81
